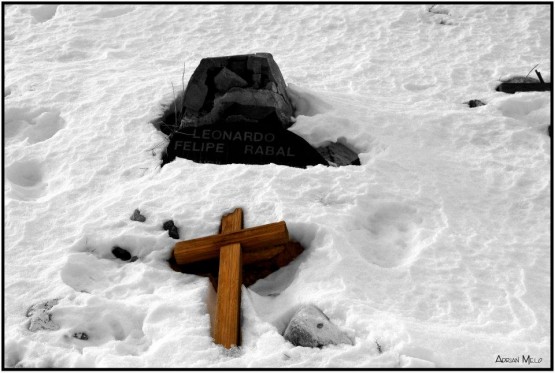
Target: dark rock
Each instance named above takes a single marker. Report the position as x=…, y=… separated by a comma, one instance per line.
x=524, y=87
x=247, y=105
x=40, y=318
x=173, y=231
x=475, y=103
x=310, y=327
x=242, y=143
x=133, y=259
x=121, y=253
x=520, y=79
x=338, y=154
x=221, y=87
x=137, y=216
x=81, y=335
x=523, y=84
x=227, y=79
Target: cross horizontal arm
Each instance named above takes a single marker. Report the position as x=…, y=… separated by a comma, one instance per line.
x=251, y=238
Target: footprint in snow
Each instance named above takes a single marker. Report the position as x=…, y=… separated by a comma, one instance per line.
x=36, y=125
x=394, y=233
x=26, y=180
x=43, y=13
x=99, y=321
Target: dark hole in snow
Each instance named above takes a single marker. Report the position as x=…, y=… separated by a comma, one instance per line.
x=236, y=109
x=320, y=325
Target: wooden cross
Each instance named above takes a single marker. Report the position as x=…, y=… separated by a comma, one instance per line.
x=234, y=246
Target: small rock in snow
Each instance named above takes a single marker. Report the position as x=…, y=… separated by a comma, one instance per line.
x=338, y=154
x=81, y=335
x=171, y=228
x=310, y=327
x=475, y=103
x=41, y=319
x=137, y=216
x=121, y=253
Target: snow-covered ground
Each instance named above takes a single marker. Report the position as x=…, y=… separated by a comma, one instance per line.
x=437, y=248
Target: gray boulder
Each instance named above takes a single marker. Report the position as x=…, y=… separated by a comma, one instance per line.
x=310, y=327
x=248, y=88
x=338, y=154
x=40, y=317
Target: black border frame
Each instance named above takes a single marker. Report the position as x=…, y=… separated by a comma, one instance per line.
x=273, y=2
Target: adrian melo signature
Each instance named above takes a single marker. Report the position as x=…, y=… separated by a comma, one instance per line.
x=518, y=359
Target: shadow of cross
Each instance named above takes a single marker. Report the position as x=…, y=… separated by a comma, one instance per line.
x=245, y=255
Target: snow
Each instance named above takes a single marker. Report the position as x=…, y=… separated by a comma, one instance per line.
x=437, y=248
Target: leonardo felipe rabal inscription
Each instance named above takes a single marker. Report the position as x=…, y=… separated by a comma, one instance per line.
x=242, y=143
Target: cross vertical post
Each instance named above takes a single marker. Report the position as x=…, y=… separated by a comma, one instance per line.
x=228, y=308
x=262, y=249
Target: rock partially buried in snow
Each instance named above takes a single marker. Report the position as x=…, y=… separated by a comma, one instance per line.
x=475, y=103
x=137, y=216
x=310, y=327
x=120, y=253
x=81, y=335
x=41, y=319
x=523, y=84
x=338, y=154
x=169, y=226
x=243, y=143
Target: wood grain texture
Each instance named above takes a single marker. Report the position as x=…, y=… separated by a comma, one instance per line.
x=232, y=222
x=256, y=264
x=205, y=248
x=266, y=253
x=228, y=308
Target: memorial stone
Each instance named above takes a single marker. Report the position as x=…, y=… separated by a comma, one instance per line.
x=243, y=143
